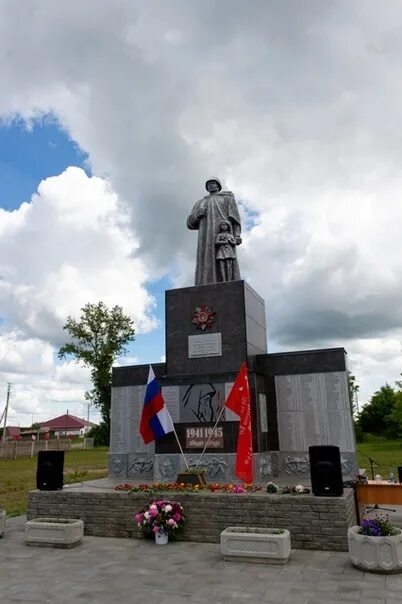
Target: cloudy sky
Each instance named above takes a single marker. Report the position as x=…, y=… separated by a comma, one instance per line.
x=113, y=113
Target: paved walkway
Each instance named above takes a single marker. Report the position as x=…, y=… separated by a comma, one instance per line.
x=130, y=571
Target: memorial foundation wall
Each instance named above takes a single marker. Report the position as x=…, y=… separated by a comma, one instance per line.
x=318, y=523
x=298, y=399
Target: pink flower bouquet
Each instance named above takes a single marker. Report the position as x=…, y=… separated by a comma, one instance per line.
x=160, y=516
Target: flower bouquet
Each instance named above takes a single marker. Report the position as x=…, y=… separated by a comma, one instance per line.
x=160, y=518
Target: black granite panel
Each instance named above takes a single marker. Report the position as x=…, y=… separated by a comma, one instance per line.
x=255, y=425
x=262, y=437
x=255, y=322
x=168, y=444
x=266, y=441
x=305, y=361
x=273, y=435
x=227, y=301
x=135, y=375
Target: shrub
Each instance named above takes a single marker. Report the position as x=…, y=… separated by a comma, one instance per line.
x=100, y=434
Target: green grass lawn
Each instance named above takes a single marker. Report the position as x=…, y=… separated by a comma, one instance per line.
x=387, y=453
x=18, y=476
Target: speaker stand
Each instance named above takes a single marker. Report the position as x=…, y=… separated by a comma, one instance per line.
x=377, y=507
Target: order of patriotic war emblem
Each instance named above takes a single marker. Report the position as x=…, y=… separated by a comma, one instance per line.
x=203, y=317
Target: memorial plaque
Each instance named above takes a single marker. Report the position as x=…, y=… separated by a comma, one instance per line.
x=171, y=396
x=262, y=401
x=197, y=437
x=120, y=411
x=134, y=420
x=313, y=409
x=205, y=345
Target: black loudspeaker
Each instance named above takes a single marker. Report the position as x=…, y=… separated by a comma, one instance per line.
x=49, y=474
x=400, y=474
x=326, y=471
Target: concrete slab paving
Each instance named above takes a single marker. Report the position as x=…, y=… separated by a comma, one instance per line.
x=109, y=570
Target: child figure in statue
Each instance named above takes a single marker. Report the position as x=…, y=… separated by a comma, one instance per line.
x=226, y=254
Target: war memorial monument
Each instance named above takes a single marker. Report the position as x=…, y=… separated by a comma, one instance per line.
x=298, y=398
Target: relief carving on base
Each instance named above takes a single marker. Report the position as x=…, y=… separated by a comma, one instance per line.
x=141, y=465
x=266, y=466
x=298, y=464
x=167, y=467
x=215, y=467
x=118, y=464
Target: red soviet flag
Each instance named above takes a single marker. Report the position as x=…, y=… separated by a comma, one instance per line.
x=238, y=401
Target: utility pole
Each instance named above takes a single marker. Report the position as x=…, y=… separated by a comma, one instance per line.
x=87, y=430
x=6, y=411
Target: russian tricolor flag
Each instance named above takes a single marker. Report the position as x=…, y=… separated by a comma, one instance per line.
x=155, y=419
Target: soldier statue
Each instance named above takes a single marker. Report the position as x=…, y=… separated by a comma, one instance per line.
x=216, y=252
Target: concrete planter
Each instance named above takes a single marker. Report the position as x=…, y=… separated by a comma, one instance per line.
x=249, y=544
x=54, y=532
x=375, y=554
x=2, y=522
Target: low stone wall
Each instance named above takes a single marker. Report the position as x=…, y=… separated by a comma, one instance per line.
x=318, y=523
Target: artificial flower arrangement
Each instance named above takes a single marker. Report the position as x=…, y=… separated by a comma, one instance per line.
x=299, y=489
x=172, y=486
x=380, y=526
x=160, y=516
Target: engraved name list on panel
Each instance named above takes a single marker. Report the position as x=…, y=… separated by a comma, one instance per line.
x=314, y=409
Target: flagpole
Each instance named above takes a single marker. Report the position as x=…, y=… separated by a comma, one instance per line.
x=149, y=435
x=177, y=438
x=211, y=435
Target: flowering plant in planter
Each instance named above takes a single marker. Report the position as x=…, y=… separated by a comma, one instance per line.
x=380, y=526
x=160, y=516
x=376, y=545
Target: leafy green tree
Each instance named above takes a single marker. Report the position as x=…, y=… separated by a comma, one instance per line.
x=353, y=390
x=97, y=339
x=394, y=419
x=374, y=416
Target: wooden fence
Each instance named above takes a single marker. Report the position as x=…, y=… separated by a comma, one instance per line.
x=27, y=448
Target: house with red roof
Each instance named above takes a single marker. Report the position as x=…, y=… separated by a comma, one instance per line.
x=13, y=433
x=66, y=425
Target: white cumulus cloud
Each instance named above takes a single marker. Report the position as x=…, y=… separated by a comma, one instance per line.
x=295, y=105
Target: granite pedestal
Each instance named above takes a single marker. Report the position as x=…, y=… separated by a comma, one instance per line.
x=298, y=399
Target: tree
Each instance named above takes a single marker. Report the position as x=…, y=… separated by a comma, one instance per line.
x=394, y=419
x=353, y=390
x=374, y=416
x=98, y=338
